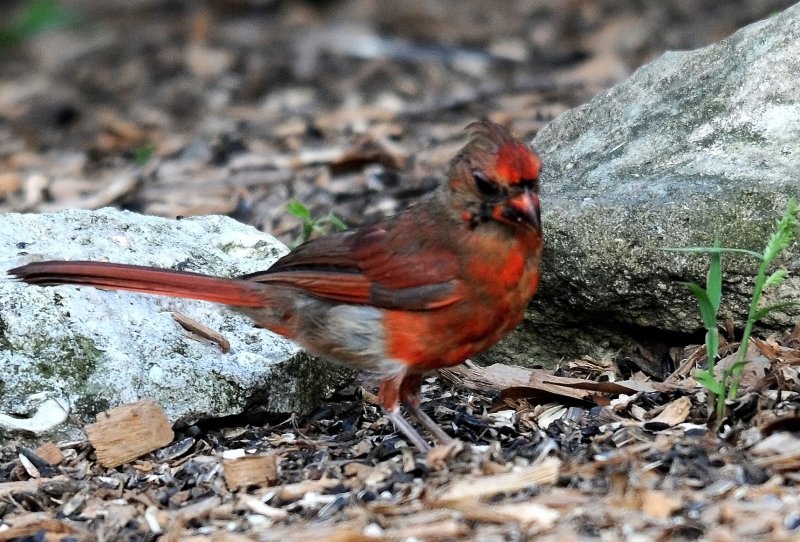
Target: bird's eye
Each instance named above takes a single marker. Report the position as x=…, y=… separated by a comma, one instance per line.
x=528, y=184
x=485, y=186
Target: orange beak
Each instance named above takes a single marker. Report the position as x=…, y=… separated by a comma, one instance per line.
x=523, y=208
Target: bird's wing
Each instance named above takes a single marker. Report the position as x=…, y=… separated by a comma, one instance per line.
x=390, y=265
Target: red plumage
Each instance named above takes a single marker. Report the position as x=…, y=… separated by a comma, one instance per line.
x=424, y=289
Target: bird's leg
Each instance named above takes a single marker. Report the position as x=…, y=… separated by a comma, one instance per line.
x=409, y=396
x=429, y=424
x=389, y=397
x=412, y=434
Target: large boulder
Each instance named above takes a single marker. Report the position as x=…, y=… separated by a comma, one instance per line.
x=694, y=145
x=78, y=351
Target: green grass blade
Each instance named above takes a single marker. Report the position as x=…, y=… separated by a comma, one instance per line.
x=714, y=279
x=713, y=250
x=706, y=307
x=706, y=379
x=776, y=278
x=762, y=312
x=712, y=347
x=784, y=230
x=337, y=222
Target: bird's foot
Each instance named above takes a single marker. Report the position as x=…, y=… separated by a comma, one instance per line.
x=411, y=434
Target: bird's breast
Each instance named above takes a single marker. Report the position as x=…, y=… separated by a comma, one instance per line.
x=496, y=288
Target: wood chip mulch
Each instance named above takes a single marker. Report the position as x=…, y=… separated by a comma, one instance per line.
x=576, y=454
x=239, y=107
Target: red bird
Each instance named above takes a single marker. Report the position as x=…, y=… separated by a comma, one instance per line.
x=426, y=288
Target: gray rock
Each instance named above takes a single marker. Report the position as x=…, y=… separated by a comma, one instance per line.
x=85, y=350
x=693, y=145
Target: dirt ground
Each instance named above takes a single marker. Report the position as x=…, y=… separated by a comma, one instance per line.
x=239, y=107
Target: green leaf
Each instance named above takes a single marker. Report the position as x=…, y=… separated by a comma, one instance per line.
x=776, y=278
x=38, y=16
x=295, y=208
x=712, y=346
x=706, y=308
x=714, y=280
x=312, y=225
x=706, y=379
x=784, y=230
x=737, y=367
x=337, y=222
x=142, y=154
x=762, y=312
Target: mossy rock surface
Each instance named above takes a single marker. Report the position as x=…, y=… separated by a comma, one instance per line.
x=97, y=349
x=694, y=145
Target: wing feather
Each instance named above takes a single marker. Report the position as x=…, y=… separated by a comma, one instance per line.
x=386, y=266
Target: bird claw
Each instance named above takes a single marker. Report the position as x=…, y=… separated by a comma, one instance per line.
x=413, y=435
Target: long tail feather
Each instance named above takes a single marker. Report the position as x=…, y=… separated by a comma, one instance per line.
x=136, y=278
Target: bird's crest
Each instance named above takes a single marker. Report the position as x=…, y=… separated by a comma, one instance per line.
x=504, y=158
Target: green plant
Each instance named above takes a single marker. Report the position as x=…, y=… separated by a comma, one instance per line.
x=708, y=298
x=142, y=154
x=36, y=17
x=313, y=225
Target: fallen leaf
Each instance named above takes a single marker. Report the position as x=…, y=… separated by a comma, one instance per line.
x=674, y=413
x=659, y=504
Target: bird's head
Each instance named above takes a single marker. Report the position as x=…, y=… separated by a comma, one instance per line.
x=495, y=178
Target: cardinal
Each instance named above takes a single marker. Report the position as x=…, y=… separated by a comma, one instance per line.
x=424, y=289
